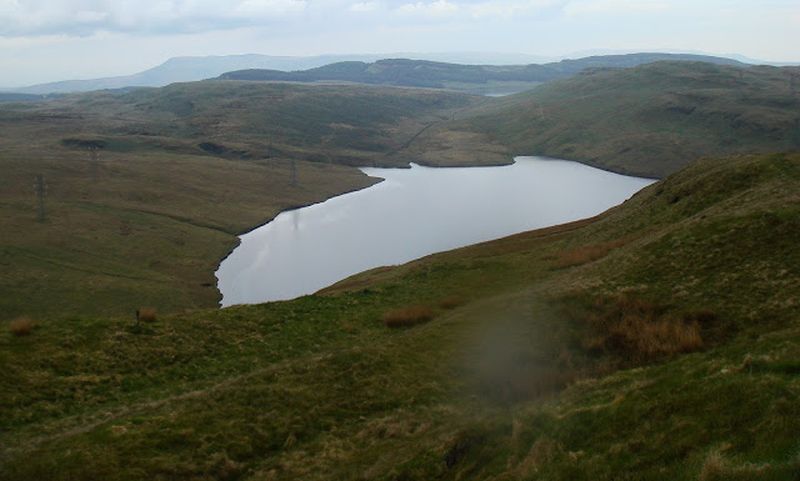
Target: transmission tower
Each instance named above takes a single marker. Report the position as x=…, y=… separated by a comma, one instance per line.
x=40, y=188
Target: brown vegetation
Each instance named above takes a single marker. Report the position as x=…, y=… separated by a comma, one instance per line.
x=408, y=316
x=21, y=326
x=640, y=330
x=146, y=314
x=451, y=302
x=586, y=254
x=717, y=468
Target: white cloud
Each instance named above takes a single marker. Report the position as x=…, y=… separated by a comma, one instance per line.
x=594, y=7
x=509, y=8
x=86, y=17
x=362, y=7
x=437, y=8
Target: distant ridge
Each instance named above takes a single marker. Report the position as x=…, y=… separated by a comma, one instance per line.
x=421, y=73
x=187, y=69
x=19, y=97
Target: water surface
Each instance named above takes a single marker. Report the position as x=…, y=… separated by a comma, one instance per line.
x=412, y=213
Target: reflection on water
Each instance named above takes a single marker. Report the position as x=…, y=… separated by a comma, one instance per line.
x=413, y=213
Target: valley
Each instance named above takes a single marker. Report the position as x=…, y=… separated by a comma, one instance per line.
x=656, y=340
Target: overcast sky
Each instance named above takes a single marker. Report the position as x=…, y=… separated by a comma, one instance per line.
x=46, y=40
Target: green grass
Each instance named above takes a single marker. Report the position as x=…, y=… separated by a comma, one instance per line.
x=147, y=230
x=500, y=387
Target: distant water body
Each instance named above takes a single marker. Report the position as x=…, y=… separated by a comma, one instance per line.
x=412, y=213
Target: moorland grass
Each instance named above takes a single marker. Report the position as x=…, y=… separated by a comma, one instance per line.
x=21, y=326
x=408, y=316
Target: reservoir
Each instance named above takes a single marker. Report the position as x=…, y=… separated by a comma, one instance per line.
x=412, y=213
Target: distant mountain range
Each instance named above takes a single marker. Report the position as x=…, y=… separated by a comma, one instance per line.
x=479, y=67
x=421, y=73
x=188, y=69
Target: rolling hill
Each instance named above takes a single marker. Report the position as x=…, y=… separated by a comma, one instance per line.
x=179, y=173
x=649, y=120
x=657, y=341
x=163, y=149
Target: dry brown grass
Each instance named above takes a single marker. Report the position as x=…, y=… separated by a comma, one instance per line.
x=640, y=330
x=146, y=314
x=21, y=326
x=451, y=302
x=717, y=468
x=586, y=254
x=408, y=316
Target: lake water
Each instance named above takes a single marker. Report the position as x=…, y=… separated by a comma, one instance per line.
x=412, y=213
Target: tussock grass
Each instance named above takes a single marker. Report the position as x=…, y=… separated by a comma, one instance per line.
x=451, y=302
x=147, y=314
x=408, y=316
x=585, y=254
x=717, y=467
x=640, y=330
x=21, y=326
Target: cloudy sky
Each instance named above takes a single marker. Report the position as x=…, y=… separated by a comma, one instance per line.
x=46, y=40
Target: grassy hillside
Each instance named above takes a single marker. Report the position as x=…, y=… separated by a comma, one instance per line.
x=334, y=124
x=179, y=172
x=656, y=341
x=649, y=120
x=470, y=78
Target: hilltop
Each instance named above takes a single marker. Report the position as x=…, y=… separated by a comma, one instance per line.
x=649, y=120
x=656, y=341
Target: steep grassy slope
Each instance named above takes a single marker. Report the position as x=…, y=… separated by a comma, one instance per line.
x=179, y=172
x=671, y=320
x=648, y=120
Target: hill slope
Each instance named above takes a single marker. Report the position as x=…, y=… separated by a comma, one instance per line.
x=470, y=78
x=338, y=124
x=649, y=120
x=671, y=320
x=179, y=173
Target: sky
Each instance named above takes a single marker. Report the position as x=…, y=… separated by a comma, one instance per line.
x=49, y=40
